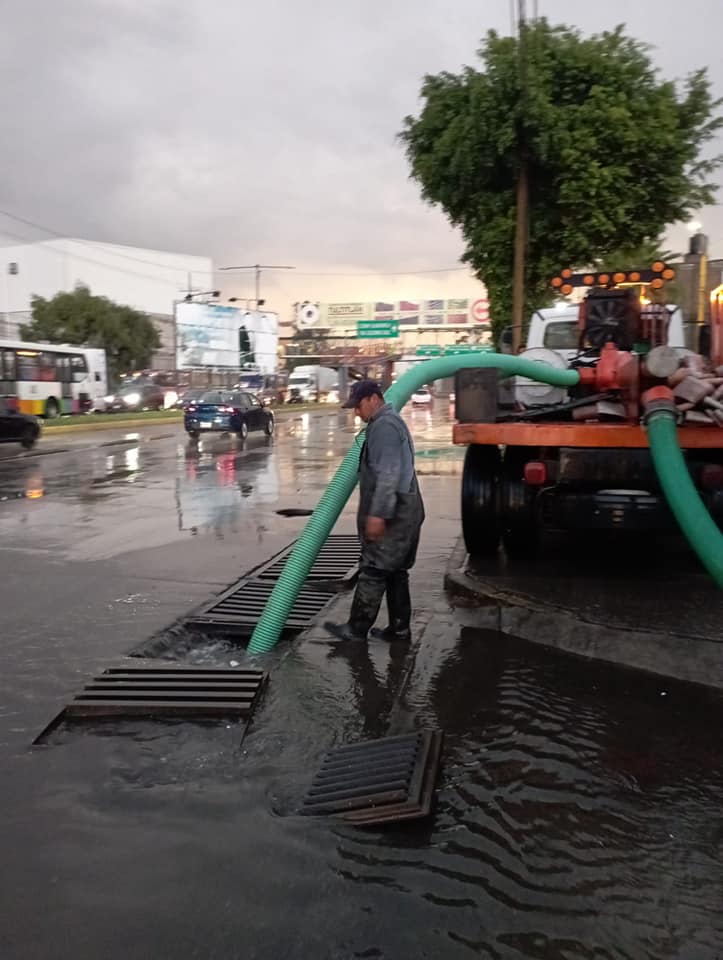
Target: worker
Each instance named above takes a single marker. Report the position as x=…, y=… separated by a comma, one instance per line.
x=389, y=519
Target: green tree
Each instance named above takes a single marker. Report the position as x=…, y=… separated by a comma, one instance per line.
x=635, y=257
x=128, y=336
x=613, y=152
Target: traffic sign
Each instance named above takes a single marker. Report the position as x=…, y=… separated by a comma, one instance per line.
x=377, y=329
x=466, y=348
x=481, y=310
x=429, y=350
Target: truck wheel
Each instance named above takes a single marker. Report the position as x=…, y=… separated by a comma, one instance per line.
x=480, y=510
x=520, y=532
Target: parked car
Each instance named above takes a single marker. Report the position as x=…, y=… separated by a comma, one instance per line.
x=227, y=412
x=18, y=427
x=269, y=388
x=139, y=395
x=421, y=397
x=188, y=396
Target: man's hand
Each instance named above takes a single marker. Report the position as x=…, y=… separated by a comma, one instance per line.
x=375, y=528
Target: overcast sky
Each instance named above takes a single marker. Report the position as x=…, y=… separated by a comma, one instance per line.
x=265, y=131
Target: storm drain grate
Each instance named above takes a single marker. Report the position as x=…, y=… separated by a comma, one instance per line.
x=378, y=781
x=337, y=561
x=238, y=609
x=159, y=692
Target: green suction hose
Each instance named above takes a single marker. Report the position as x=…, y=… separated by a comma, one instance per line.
x=322, y=521
x=683, y=499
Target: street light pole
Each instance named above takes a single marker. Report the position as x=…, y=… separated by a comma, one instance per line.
x=522, y=199
x=257, y=268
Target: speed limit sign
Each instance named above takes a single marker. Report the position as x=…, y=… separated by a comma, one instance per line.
x=480, y=310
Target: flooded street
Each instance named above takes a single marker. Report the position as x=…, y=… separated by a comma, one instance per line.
x=578, y=807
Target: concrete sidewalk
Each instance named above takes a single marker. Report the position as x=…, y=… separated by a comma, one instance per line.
x=651, y=608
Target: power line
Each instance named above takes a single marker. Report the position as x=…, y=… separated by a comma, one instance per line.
x=250, y=267
x=99, y=263
x=384, y=273
x=91, y=244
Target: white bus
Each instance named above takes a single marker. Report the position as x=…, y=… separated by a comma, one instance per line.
x=49, y=379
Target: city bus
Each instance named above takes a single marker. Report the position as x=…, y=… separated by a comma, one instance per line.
x=48, y=379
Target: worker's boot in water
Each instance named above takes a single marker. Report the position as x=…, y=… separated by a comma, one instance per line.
x=364, y=608
x=399, y=607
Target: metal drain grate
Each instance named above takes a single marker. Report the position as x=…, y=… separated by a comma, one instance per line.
x=237, y=611
x=159, y=692
x=378, y=781
x=337, y=561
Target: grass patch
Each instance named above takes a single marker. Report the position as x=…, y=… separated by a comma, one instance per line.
x=82, y=421
x=89, y=421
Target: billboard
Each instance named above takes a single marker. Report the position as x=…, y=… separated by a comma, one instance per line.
x=210, y=335
x=408, y=313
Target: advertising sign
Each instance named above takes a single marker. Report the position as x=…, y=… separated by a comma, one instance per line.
x=210, y=335
x=345, y=317
x=347, y=311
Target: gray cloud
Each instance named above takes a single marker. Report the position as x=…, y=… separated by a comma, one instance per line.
x=258, y=130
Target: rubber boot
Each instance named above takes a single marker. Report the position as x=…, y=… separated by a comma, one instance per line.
x=368, y=595
x=399, y=607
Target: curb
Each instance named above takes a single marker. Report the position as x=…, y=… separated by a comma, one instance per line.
x=691, y=658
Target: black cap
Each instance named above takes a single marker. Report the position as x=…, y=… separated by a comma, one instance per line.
x=361, y=389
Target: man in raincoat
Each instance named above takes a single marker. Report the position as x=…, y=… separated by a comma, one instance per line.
x=389, y=519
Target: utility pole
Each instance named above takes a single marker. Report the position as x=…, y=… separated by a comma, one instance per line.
x=257, y=268
x=523, y=191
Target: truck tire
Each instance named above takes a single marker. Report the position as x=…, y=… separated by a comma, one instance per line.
x=480, y=503
x=520, y=530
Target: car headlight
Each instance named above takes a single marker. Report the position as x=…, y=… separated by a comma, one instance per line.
x=109, y=399
x=132, y=399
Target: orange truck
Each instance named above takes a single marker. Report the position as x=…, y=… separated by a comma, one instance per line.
x=550, y=457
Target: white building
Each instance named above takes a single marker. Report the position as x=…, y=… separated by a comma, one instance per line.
x=147, y=280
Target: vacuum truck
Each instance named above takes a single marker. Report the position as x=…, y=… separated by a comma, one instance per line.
x=578, y=458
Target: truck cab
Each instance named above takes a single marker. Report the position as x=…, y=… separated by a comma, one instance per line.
x=557, y=328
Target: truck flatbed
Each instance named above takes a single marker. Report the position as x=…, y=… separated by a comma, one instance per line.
x=601, y=435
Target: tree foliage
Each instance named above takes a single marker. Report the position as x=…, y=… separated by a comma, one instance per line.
x=614, y=152
x=127, y=335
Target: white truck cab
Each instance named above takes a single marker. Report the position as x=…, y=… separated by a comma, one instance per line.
x=556, y=328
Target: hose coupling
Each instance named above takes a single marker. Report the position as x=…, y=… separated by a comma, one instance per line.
x=659, y=399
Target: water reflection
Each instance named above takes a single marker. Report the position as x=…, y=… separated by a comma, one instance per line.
x=373, y=693
x=215, y=488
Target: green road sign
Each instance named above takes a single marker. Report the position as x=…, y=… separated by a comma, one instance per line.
x=466, y=348
x=377, y=329
x=429, y=350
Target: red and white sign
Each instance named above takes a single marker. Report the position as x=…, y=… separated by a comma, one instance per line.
x=480, y=311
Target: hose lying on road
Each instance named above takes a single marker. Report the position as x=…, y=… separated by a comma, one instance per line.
x=321, y=522
x=683, y=499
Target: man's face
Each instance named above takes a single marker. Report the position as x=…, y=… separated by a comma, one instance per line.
x=364, y=409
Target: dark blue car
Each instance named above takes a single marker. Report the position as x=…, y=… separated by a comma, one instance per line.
x=221, y=411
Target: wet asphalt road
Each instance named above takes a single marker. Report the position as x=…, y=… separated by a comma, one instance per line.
x=578, y=811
